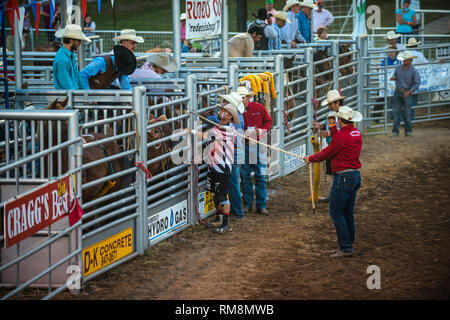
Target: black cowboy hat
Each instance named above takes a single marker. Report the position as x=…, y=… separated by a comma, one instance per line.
x=262, y=14
x=124, y=59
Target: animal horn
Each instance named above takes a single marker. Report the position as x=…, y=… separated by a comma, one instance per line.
x=52, y=105
x=64, y=103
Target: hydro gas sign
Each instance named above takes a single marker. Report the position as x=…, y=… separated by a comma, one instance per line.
x=167, y=220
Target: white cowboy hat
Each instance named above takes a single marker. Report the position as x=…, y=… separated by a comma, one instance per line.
x=163, y=60
x=235, y=103
x=282, y=15
x=392, y=35
x=413, y=42
x=309, y=4
x=129, y=34
x=332, y=114
x=183, y=16
x=243, y=91
x=405, y=55
x=290, y=3
x=349, y=114
x=332, y=96
x=72, y=31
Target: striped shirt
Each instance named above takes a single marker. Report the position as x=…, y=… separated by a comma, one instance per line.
x=221, y=149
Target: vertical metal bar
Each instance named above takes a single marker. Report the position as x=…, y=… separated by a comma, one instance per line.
x=335, y=53
x=41, y=148
x=33, y=148
x=24, y=146
x=176, y=31
x=50, y=144
x=5, y=66
x=279, y=103
x=17, y=54
x=140, y=108
x=233, y=77
x=191, y=92
x=58, y=132
x=309, y=94
x=224, y=49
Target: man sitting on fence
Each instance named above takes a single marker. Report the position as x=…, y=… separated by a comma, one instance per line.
x=304, y=17
x=280, y=21
x=391, y=38
x=220, y=158
x=65, y=70
x=102, y=71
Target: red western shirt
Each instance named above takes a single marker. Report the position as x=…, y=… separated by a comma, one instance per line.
x=257, y=116
x=344, y=150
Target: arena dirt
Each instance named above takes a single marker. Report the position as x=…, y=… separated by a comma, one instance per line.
x=402, y=225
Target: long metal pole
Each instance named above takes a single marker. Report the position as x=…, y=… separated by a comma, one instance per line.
x=5, y=63
x=176, y=31
x=17, y=54
x=224, y=44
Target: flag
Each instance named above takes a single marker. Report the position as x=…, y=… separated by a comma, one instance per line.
x=360, y=19
x=1, y=18
x=20, y=20
x=52, y=12
x=83, y=7
x=69, y=11
x=99, y=2
x=10, y=13
x=37, y=18
x=112, y=3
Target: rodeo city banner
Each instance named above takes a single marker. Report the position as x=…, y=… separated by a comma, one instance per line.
x=203, y=18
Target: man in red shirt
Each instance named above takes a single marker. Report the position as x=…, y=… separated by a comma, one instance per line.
x=344, y=151
x=257, y=123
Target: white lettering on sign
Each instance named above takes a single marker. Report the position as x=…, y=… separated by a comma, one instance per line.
x=167, y=220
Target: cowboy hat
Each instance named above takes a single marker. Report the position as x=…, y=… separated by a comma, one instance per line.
x=309, y=4
x=129, y=34
x=282, y=16
x=332, y=114
x=72, y=31
x=290, y=3
x=349, y=114
x=262, y=14
x=412, y=42
x=332, y=96
x=406, y=55
x=321, y=29
x=392, y=35
x=164, y=60
x=243, y=91
x=235, y=102
x=124, y=59
x=183, y=16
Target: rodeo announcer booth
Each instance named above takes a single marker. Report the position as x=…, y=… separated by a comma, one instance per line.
x=344, y=151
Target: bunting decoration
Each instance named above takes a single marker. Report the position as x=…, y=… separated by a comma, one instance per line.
x=84, y=7
x=37, y=15
x=99, y=5
x=112, y=3
x=10, y=13
x=69, y=10
x=52, y=12
x=20, y=24
x=1, y=18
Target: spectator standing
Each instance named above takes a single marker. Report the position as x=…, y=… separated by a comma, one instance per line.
x=65, y=70
x=220, y=159
x=280, y=21
x=243, y=44
x=407, y=80
x=391, y=58
x=257, y=123
x=155, y=67
x=89, y=30
x=406, y=18
x=304, y=17
x=270, y=10
x=290, y=33
x=321, y=17
x=344, y=151
x=185, y=45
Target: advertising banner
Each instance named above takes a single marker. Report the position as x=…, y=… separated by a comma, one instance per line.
x=167, y=220
x=203, y=18
x=36, y=210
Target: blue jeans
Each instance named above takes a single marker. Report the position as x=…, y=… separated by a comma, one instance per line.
x=234, y=191
x=342, y=203
x=259, y=168
x=401, y=109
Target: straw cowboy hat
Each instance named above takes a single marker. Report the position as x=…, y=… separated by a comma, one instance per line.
x=290, y=3
x=72, y=31
x=406, y=55
x=392, y=35
x=349, y=114
x=412, y=42
x=164, y=60
x=282, y=15
x=235, y=102
x=125, y=60
x=309, y=4
x=129, y=34
x=321, y=29
x=243, y=91
x=332, y=114
x=332, y=96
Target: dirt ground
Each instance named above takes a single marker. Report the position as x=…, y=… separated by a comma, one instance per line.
x=402, y=226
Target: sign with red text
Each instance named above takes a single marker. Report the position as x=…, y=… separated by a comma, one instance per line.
x=203, y=18
x=36, y=210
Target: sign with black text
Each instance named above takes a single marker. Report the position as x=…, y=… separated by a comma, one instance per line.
x=203, y=18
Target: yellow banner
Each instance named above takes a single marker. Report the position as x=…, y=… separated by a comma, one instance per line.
x=108, y=251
